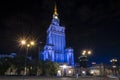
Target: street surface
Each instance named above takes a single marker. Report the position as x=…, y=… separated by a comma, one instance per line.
x=52, y=78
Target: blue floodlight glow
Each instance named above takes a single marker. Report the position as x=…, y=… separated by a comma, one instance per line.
x=55, y=49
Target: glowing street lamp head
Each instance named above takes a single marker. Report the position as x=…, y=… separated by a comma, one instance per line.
x=84, y=52
x=113, y=60
x=110, y=60
x=28, y=45
x=89, y=52
x=32, y=43
x=23, y=42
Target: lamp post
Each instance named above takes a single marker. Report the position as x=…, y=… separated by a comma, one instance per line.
x=114, y=65
x=84, y=57
x=83, y=60
x=86, y=52
x=27, y=45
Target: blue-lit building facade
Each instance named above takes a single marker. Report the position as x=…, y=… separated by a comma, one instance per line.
x=55, y=49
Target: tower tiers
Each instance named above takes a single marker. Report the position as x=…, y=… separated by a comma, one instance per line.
x=55, y=48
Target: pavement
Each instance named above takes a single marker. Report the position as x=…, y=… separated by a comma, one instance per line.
x=52, y=78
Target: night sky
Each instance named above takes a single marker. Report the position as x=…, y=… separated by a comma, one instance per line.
x=90, y=24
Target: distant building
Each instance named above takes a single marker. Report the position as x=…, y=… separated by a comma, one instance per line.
x=95, y=70
x=55, y=49
x=100, y=69
x=11, y=55
x=11, y=70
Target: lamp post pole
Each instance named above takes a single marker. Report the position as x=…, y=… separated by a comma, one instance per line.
x=27, y=48
x=27, y=45
x=114, y=65
x=85, y=53
x=84, y=60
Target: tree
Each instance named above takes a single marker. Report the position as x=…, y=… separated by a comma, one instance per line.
x=50, y=68
x=35, y=67
x=54, y=68
x=5, y=63
x=19, y=62
x=40, y=67
x=119, y=69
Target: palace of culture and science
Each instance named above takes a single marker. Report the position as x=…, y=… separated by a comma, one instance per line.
x=55, y=49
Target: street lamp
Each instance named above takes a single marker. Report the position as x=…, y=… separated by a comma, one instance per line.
x=27, y=45
x=83, y=59
x=23, y=42
x=86, y=52
x=32, y=43
x=113, y=60
x=114, y=65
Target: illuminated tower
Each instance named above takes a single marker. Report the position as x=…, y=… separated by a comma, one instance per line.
x=54, y=49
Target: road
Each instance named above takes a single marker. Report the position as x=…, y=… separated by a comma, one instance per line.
x=51, y=78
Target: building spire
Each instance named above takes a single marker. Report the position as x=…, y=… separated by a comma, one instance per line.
x=55, y=19
x=55, y=9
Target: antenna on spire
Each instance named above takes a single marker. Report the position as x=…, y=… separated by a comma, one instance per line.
x=55, y=9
